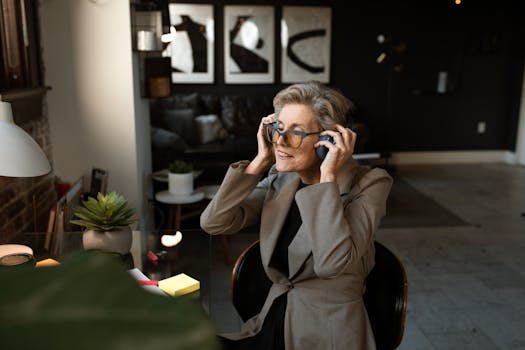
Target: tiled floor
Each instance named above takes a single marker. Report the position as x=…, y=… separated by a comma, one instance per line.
x=466, y=283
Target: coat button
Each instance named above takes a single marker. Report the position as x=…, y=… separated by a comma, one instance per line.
x=290, y=286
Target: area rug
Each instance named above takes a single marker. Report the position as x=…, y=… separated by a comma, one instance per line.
x=407, y=207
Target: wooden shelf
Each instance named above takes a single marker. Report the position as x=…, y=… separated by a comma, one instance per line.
x=26, y=102
x=13, y=95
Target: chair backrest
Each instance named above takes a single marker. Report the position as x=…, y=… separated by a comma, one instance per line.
x=249, y=284
x=385, y=296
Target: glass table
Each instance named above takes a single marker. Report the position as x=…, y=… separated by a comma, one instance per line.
x=86, y=294
x=198, y=255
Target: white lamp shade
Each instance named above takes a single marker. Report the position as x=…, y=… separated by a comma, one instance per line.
x=20, y=155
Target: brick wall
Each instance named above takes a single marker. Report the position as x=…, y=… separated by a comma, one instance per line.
x=23, y=199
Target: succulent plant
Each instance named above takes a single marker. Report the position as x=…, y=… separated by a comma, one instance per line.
x=106, y=213
x=180, y=167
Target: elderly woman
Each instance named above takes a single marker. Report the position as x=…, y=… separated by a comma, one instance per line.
x=317, y=222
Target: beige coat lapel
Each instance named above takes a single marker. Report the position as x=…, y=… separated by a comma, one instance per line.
x=300, y=247
x=273, y=217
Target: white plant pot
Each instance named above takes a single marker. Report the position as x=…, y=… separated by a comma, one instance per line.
x=180, y=184
x=111, y=241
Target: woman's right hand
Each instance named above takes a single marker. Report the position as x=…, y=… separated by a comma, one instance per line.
x=265, y=156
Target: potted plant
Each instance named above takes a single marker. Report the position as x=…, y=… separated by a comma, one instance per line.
x=107, y=220
x=180, y=178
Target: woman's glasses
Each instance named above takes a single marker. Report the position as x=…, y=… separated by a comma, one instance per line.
x=292, y=138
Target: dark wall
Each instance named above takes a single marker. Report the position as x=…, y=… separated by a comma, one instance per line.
x=479, y=45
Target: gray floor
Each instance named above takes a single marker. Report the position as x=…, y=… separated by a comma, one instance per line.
x=466, y=283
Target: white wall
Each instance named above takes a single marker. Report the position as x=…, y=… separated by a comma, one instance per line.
x=95, y=115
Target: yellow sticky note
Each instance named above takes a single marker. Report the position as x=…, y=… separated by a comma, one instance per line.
x=179, y=285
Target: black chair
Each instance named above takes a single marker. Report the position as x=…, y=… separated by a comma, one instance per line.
x=249, y=284
x=385, y=296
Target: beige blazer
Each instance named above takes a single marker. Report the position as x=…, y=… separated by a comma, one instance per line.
x=329, y=257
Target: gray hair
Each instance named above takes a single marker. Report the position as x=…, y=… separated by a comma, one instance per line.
x=329, y=105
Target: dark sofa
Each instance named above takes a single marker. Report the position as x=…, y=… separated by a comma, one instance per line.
x=209, y=131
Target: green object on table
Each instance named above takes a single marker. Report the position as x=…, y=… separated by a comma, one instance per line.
x=90, y=301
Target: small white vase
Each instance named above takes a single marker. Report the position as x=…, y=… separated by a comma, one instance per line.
x=180, y=184
x=110, y=241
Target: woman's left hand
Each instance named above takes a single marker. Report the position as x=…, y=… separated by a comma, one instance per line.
x=338, y=153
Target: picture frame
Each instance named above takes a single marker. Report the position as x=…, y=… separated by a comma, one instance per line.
x=192, y=50
x=306, y=43
x=249, y=47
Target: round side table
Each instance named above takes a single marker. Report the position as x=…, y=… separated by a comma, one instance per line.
x=176, y=202
x=162, y=175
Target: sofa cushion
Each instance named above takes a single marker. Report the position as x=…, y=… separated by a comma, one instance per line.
x=209, y=104
x=209, y=128
x=175, y=102
x=228, y=113
x=179, y=101
x=250, y=112
x=180, y=121
x=165, y=139
x=241, y=115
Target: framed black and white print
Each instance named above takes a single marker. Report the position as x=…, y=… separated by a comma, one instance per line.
x=192, y=49
x=249, y=44
x=305, y=43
